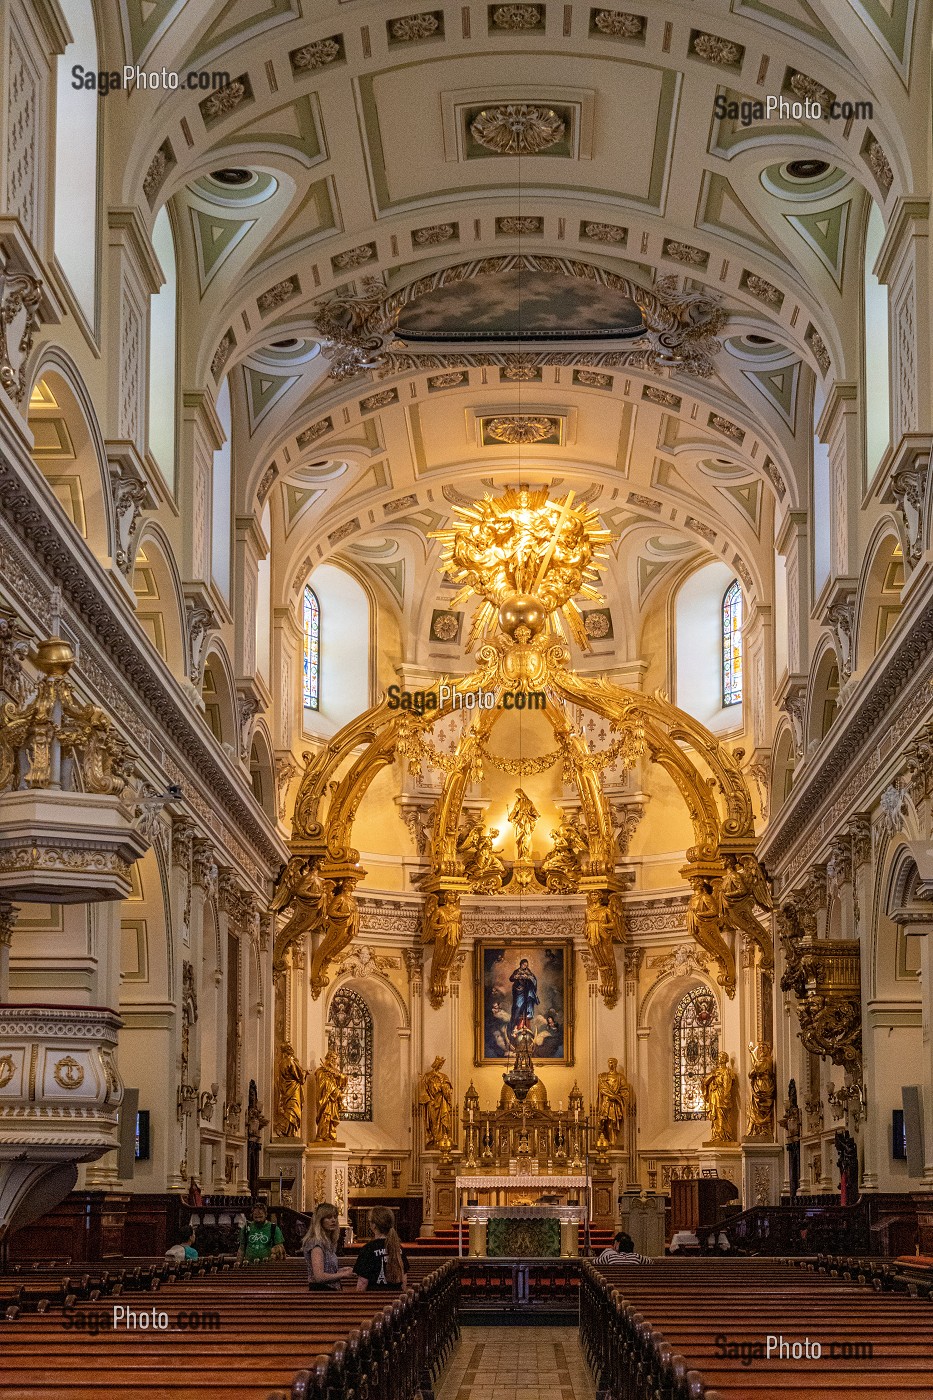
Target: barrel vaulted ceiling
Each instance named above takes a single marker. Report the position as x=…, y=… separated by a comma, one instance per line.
x=354, y=118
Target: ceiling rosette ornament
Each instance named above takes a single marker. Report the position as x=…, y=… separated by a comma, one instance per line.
x=520, y=429
x=680, y=328
x=517, y=129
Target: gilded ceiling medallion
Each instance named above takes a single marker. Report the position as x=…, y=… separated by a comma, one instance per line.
x=519, y=430
x=517, y=128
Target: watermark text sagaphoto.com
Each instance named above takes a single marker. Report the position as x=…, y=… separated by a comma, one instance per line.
x=102, y=81
x=121, y=1318
x=776, y=1347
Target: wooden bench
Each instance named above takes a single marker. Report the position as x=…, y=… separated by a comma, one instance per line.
x=685, y=1329
x=245, y=1332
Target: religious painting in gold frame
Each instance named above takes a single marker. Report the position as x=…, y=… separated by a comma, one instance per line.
x=523, y=984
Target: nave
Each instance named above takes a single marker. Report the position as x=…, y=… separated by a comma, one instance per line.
x=671, y=1329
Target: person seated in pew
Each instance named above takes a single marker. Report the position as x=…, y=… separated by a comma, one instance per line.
x=319, y=1248
x=259, y=1238
x=185, y=1249
x=382, y=1263
x=623, y=1252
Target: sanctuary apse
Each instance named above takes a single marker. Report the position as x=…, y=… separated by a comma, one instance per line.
x=591, y=420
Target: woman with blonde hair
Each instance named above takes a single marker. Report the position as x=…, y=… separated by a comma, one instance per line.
x=319, y=1248
x=382, y=1263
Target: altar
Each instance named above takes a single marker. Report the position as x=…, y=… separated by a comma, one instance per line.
x=511, y=1224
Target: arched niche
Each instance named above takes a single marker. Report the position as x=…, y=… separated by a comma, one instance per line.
x=262, y=773
x=698, y=647
x=879, y=597
x=824, y=693
x=160, y=608
x=346, y=618
x=67, y=450
x=391, y=1097
x=657, y=1127
x=782, y=768
x=218, y=695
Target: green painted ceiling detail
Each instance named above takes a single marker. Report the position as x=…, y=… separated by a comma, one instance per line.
x=666, y=475
x=216, y=239
x=779, y=387
x=293, y=126
x=262, y=391
x=394, y=576
x=747, y=497
x=240, y=18
x=424, y=520
x=648, y=572
x=375, y=478
x=146, y=19
x=313, y=218
x=721, y=211
x=825, y=233
x=297, y=498
x=790, y=15
x=892, y=23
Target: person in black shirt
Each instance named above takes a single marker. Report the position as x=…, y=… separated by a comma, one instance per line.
x=382, y=1263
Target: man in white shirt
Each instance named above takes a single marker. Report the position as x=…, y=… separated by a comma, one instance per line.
x=622, y=1253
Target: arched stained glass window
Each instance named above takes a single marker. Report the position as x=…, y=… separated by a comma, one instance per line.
x=350, y=1035
x=696, y=1045
x=732, y=645
x=312, y=657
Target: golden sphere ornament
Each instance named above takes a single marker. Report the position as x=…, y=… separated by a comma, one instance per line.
x=522, y=610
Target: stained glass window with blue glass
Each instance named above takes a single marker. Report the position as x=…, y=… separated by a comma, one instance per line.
x=696, y=1046
x=312, y=657
x=732, y=645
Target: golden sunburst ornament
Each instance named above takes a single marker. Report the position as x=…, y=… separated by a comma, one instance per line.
x=527, y=557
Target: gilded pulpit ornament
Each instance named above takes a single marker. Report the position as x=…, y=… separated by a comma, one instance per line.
x=436, y=1100
x=302, y=891
x=440, y=928
x=743, y=886
x=289, y=1088
x=719, y=1100
x=762, y=1092
x=615, y=1098
x=341, y=927
x=329, y=1088
x=704, y=924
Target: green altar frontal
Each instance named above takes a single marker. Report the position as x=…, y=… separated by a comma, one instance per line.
x=507, y=1236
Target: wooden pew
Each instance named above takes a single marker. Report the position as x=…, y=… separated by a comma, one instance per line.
x=685, y=1329
x=244, y=1332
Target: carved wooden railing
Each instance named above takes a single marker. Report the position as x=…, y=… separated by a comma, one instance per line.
x=787, y=1231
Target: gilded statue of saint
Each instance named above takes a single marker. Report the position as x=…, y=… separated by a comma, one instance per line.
x=329, y=1088
x=600, y=928
x=719, y=1091
x=563, y=862
x=484, y=869
x=614, y=1098
x=289, y=1089
x=436, y=1099
x=704, y=924
x=523, y=817
x=441, y=928
x=301, y=889
x=762, y=1092
x=743, y=886
x=343, y=921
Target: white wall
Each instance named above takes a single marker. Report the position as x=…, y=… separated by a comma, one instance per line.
x=76, y=160
x=820, y=494
x=877, y=370
x=698, y=647
x=162, y=333
x=220, y=498
x=264, y=601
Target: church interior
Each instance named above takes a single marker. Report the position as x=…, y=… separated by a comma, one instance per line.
x=466, y=654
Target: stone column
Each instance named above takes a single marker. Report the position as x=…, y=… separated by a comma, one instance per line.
x=8, y=916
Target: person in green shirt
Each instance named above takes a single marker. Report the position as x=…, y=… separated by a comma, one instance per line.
x=259, y=1238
